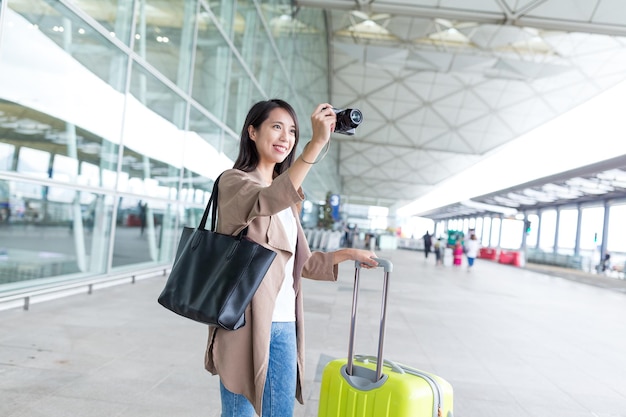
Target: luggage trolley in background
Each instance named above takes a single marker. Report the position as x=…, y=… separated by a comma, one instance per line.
x=362, y=389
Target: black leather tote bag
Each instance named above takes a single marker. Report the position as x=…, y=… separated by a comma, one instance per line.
x=214, y=276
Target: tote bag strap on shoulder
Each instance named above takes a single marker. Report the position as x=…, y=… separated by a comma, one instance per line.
x=212, y=208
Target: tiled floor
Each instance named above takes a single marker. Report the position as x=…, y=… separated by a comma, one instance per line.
x=512, y=342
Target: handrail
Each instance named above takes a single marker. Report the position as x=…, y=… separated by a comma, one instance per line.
x=90, y=284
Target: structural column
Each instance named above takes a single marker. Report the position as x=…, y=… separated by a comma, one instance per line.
x=579, y=222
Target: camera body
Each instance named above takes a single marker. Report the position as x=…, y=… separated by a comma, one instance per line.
x=347, y=120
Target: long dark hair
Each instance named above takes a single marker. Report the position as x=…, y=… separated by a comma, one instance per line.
x=248, y=157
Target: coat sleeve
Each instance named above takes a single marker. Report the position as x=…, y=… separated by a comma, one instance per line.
x=242, y=198
x=319, y=266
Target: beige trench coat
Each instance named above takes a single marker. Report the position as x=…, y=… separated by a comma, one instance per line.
x=241, y=357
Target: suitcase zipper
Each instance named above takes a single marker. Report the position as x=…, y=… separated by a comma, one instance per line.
x=437, y=411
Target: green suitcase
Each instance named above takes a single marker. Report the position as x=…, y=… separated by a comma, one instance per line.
x=362, y=389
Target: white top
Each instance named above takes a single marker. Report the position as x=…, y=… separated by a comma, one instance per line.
x=472, y=247
x=285, y=307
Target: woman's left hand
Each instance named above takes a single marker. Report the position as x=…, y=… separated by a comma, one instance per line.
x=364, y=257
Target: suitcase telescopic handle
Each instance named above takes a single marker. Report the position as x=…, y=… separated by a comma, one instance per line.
x=384, y=263
x=388, y=267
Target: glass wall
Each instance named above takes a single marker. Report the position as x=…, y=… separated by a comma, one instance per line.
x=547, y=221
x=532, y=235
x=616, y=239
x=117, y=115
x=511, y=234
x=566, y=234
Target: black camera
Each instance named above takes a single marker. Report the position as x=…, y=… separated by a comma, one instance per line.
x=347, y=120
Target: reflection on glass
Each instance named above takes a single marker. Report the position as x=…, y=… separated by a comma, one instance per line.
x=305, y=52
x=114, y=15
x=145, y=232
x=46, y=232
x=164, y=35
x=56, y=149
x=149, y=91
x=213, y=135
x=211, y=67
x=64, y=168
x=33, y=162
x=55, y=29
x=6, y=154
x=89, y=174
x=146, y=176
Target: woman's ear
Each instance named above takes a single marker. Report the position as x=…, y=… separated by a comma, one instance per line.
x=252, y=132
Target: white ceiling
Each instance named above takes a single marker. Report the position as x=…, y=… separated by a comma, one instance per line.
x=444, y=83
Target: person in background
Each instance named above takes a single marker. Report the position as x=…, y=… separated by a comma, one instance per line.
x=457, y=253
x=260, y=365
x=428, y=243
x=143, y=209
x=471, y=251
x=439, y=247
x=606, y=263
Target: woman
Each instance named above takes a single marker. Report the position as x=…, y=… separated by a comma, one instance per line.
x=261, y=364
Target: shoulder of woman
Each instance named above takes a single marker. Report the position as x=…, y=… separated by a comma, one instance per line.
x=234, y=178
x=232, y=174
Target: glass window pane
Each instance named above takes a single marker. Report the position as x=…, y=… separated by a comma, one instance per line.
x=33, y=162
x=164, y=36
x=114, y=15
x=511, y=233
x=568, y=220
x=57, y=38
x=307, y=57
x=531, y=238
x=67, y=232
x=212, y=134
x=6, y=155
x=57, y=149
x=484, y=241
x=221, y=84
x=591, y=227
x=64, y=168
x=548, y=229
x=224, y=12
x=495, y=232
x=145, y=232
x=616, y=242
x=148, y=91
x=211, y=67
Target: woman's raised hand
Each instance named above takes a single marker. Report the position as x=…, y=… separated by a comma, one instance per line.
x=323, y=122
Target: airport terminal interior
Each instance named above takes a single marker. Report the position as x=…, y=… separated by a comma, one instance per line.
x=499, y=119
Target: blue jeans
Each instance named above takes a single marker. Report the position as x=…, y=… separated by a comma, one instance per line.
x=280, y=384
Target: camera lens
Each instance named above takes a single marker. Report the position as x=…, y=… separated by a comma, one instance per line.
x=356, y=116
